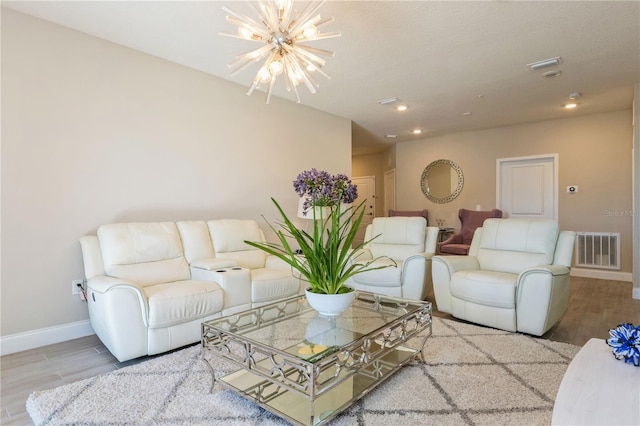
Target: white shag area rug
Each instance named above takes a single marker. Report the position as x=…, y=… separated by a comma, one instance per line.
x=472, y=375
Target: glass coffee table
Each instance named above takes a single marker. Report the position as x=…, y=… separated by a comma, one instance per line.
x=307, y=368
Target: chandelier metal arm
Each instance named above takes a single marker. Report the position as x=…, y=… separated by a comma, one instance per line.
x=242, y=18
x=302, y=19
x=250, y=57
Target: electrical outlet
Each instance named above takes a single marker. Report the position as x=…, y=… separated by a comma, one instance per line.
x=76, y=286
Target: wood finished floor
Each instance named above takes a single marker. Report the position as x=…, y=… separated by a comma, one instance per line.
x=595, y=306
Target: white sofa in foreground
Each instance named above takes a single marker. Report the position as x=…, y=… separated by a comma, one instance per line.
x=515, y=278
x=151, y=285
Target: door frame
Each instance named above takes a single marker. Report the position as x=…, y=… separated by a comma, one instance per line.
x=389, y=188
x=554, y=159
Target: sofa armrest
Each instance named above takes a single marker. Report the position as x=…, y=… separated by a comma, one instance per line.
x=118, y=311
x=542, y=298
x=212, y=263
x=442, y=270
x=431, y=239
x=236, y=283
x=413, y=270
x=103, y=283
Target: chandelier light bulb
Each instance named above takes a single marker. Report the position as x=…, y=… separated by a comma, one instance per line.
x=276, y=68
x=245, y=32
x=279, y=28
x=310, y=31
x=264, y=75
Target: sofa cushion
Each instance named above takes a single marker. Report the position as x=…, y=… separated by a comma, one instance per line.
x=386, y=277
x=196, y=240
x=397, y=237
x=272, y=284
x=183, y=301
x=489, y=288
x=514, y=245
x=144, y=253
x=229, y=236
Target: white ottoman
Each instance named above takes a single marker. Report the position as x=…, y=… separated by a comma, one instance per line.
x=597, y=389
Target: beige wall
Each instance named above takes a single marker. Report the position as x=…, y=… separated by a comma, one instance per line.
x=93, y=133
x=636, y=191
x=371, y=165
x=594, y=153
x=375, y=165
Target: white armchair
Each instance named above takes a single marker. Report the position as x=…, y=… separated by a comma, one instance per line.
x=515, y=278
x=411, y=244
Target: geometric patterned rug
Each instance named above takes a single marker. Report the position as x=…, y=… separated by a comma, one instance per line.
x=472, y=376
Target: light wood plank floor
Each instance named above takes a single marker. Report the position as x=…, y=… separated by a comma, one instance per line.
x=595, y=306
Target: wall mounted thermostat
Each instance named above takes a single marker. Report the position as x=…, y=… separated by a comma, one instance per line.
x=572, y=189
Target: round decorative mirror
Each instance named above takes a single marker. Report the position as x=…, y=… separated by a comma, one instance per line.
x=442, y=181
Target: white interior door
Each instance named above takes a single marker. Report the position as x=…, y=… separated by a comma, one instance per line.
x=366, y=191
x=527, y=187
x=389, y=191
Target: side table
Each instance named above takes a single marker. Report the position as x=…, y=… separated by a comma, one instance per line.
x=444, y=233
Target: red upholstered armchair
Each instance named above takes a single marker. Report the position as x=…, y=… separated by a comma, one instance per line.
x=470, y=220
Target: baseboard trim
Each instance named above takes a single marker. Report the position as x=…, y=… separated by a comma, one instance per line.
x=603, y=275
x=45, y=336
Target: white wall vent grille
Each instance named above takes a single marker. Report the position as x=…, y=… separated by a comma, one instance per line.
x=598, y=250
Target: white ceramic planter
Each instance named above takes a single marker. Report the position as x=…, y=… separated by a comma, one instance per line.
x=330, y=305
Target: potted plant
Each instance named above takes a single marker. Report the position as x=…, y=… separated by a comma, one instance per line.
x=325, y=259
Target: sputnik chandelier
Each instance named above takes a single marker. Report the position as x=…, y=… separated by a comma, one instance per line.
x=282, y=31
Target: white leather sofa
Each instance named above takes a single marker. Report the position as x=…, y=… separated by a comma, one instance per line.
x=411, y=244
x=515, y=278
x=151, y=285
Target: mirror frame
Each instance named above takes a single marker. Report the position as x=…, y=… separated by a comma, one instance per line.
x=425, y=178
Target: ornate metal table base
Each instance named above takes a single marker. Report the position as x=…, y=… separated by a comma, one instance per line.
x=308, y=369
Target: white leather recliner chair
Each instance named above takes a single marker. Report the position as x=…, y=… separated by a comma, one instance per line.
x=515, y=278
x=411, y=244
x=141, y=296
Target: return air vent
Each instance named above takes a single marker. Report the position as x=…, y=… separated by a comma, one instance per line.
x=598, y=250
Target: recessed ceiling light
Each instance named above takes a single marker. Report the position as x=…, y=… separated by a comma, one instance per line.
x=545, y=63
x=402, y=108
x=466, y=114
x=391, y=136
x=570, y=105
x=417, y=131
x=575, y=95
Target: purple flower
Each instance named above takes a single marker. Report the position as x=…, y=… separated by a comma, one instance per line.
x=321, y=189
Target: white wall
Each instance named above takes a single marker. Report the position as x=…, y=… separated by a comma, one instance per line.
x=636, y=191
x=594, y=153
x=93, y=133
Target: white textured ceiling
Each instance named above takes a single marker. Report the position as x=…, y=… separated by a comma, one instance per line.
x=436, y=56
